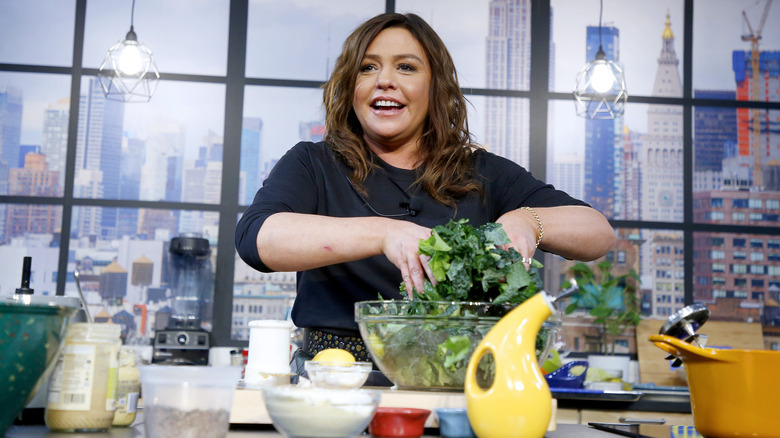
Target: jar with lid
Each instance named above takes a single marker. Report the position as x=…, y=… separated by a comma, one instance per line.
x=83, y=386
x=128, y=387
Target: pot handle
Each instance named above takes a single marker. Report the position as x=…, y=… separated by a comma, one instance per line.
x=682, y=349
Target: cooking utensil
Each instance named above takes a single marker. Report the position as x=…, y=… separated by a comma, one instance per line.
x=683, y=325
x=81, y=296
x=733, y=392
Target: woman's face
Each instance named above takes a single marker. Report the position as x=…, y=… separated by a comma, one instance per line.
x=391, y=91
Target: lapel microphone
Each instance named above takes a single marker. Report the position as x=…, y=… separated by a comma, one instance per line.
x=413, y=205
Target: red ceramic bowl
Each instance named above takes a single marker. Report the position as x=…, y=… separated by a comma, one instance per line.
x=398, y=422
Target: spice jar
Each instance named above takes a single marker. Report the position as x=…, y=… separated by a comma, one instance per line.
x=128, y=387
x=82, y=390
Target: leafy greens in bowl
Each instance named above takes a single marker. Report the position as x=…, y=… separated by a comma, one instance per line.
x=426, y=342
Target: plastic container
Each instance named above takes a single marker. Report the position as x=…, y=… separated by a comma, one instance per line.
x=128, y=388
x=82, y=390
x=188, y=401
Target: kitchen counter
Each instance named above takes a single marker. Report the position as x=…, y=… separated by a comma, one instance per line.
x=563, y=431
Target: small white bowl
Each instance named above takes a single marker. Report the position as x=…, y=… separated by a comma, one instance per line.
x=337, y=375
x=313, y=412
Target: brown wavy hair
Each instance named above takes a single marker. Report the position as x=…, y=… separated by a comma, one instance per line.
x=446, y=146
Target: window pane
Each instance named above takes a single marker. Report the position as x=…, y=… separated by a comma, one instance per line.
x=743, y=288
x=635, y=34
x=301, y=39
x=191, y=39
x=258, y=295
x=465, y=32
x=167, y=149
x=723, y=50
x=656, y=255
x=631, y=168
x=275, y=119
x=29, y=230
x=38, y=32
x=126, y=278
x=34, y=111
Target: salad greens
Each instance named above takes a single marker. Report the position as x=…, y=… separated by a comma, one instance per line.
x=469, y=265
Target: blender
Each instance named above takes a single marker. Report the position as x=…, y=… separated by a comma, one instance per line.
x=184, y=341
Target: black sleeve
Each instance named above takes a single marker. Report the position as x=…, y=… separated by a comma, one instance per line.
x=510, y=186
x=290, y=187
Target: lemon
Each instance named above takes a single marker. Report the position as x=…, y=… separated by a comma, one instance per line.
x=333, y=355
x=377, y=346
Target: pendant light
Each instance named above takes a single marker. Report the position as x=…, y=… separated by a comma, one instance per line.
x=600, y=89
x=128, y=72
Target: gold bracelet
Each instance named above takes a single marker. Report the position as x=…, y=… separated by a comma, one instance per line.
x=538, y=222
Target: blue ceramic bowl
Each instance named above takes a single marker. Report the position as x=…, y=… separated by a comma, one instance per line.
x=454, y=423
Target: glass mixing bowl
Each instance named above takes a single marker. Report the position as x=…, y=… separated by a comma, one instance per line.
x=427, y=345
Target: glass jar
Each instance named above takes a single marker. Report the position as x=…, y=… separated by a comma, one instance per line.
x=128, y=388
x=83, y=386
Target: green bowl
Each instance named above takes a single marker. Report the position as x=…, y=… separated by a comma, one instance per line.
x=32, y=329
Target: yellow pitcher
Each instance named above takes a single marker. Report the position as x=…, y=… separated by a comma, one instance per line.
x=518, y=402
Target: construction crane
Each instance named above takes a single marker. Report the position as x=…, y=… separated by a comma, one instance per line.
x=754, y=36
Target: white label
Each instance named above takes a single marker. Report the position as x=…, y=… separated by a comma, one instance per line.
x=71, y=385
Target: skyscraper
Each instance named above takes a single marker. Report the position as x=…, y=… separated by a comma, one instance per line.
x=10, y=127
x=508, y=51
x=662, y=181
x=758, y=139
x=662, y=184
x=250, y=157
x=54, y=139
x=98, y=156
x=603, y=155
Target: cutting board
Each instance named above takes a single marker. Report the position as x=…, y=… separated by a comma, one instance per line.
x=653, y=368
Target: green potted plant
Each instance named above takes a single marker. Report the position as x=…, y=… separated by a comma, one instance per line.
x=610, y=299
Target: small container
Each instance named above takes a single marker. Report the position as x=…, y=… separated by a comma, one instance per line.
x=454, y=423
x=398, y=422
x=188, y=401
x=343, y=375
x=82, y=390
x=128, y=388
x=269, y=349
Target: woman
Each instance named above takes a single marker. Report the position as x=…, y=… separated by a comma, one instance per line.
x=347, y=213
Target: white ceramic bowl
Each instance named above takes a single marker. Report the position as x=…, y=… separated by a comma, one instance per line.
x=298, y=411
x=339, y=375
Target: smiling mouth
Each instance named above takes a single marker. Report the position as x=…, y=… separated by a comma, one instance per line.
x=386, y=105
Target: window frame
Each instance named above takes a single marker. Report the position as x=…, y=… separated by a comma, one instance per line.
x=235, y=81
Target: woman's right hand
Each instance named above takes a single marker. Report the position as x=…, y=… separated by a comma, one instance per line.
x=400, y=245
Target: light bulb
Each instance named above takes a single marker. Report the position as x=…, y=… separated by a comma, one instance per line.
x=130, y=61
x=601, y=78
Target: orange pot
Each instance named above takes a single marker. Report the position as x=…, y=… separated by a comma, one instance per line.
x=734, y=393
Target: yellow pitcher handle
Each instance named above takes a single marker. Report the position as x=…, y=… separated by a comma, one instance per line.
x=683, y=350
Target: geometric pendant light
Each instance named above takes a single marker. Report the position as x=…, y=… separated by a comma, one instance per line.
x=600, y=88
x=128, y=72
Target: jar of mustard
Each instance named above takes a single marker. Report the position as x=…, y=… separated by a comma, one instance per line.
x=83, y=386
